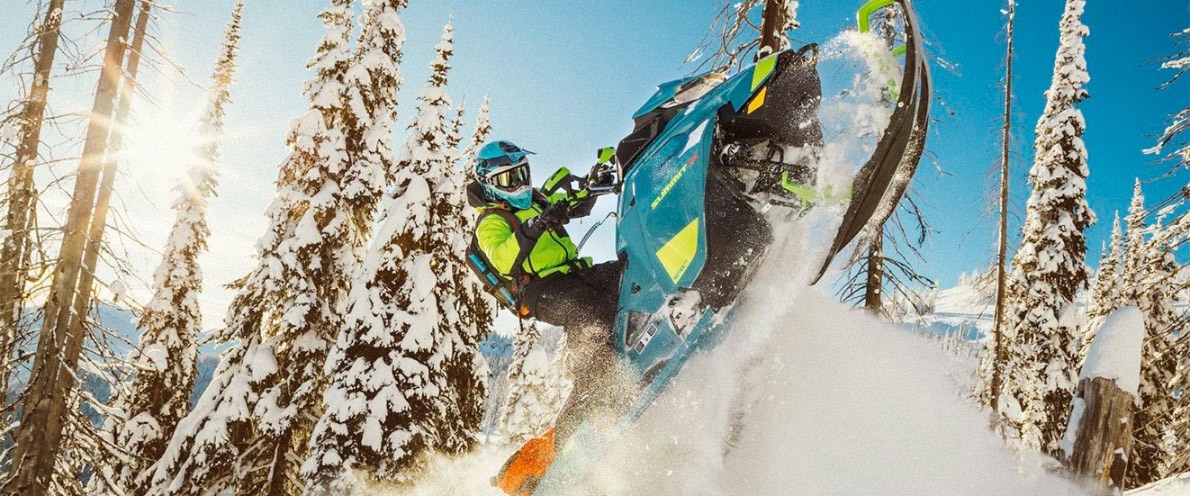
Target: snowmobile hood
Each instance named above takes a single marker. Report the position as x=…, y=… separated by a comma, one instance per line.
x=665, y=92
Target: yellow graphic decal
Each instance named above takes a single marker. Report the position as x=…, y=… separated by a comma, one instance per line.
x=762, y=70
x=679, y=251
x=758, y=101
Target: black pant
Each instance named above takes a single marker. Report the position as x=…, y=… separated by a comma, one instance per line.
x=584, y=304
x=579, y=300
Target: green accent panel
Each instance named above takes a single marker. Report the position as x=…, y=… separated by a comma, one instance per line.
x=679, y=251
x=762, y=70
x=556, y=178
x=606, y=154
x=865, y=13
x=804, y=194
x=864, y=16
x=809, y=196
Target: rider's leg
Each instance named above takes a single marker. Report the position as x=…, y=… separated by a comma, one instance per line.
x=578, y=299
x=584, y=304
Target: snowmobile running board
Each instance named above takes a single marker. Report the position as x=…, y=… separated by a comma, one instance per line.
x=901, y=146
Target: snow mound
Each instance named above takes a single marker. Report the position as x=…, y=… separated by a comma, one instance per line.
x=1116, y=351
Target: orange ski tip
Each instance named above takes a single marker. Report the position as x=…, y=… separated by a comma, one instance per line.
x=525, y=468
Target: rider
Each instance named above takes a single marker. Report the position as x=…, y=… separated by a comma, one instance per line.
x=521, y=232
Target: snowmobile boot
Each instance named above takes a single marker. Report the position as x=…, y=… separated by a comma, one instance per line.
x=524, y=469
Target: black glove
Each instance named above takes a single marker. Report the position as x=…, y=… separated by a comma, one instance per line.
x=601, y=175
x=551, y=219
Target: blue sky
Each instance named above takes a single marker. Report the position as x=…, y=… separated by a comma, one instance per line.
x=565, y=77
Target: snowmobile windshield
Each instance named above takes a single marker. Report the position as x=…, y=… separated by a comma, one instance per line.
x=510, y=177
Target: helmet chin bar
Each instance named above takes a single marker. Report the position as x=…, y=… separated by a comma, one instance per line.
x=521, y=198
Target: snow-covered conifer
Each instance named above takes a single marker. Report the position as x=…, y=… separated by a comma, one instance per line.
x=1180, y=430
x=249, y=431
x=1149, y=284
x=387, y=378
x=165, y=360
x=466, y=377
x=1173, y=143
x=456, y=130
x=1133, y=259
x=1105, y=287
x=537, y=383
x=379, y=55
x=1155, y=420
x=1050, y=267
x=483, y=127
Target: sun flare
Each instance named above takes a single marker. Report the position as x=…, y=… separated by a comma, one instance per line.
x=159, y=147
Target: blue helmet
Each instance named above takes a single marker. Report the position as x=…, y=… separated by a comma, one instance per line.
x=503, y=171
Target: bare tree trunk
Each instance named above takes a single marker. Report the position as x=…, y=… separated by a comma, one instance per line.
x=22, y=192
x=873, y=300
x=770, y=28
x=44, y=410
x=1002, y=248
x=82, y=303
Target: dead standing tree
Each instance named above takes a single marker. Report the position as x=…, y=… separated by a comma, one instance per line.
x=16, y=245
x=1002, y=245
x=44, y=414
x=734, y=33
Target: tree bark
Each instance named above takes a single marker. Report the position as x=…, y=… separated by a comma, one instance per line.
x=1104, y=433
x=44, y=410
x=1002, y=248
x=82, y=303
x=770, y=28
x=873, y=300
x=22, y=192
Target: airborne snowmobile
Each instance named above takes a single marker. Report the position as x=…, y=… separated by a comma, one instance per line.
x=708, y=155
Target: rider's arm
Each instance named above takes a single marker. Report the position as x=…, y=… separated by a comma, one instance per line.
x=498, y=241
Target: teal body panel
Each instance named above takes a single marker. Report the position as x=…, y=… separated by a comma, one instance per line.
x=663, y=194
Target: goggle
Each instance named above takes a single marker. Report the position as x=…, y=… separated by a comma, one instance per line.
x=513, y=178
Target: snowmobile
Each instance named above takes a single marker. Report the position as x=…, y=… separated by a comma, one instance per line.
x=708, y=155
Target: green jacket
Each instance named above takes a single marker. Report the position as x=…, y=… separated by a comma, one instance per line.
x=553, y=252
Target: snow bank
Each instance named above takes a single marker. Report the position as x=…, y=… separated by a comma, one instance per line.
x=1173, y=486
x=1115, y=353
